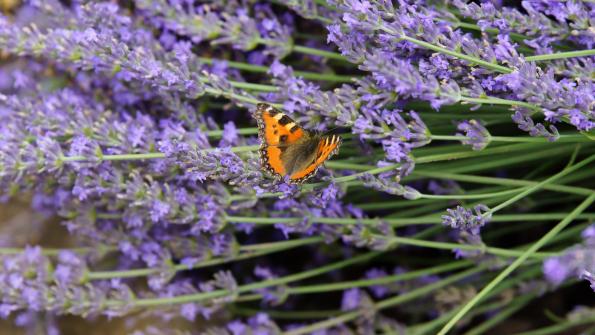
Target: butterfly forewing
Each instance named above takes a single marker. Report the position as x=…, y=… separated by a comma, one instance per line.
x=287, y=149
x=275, y=127
x=276, y=131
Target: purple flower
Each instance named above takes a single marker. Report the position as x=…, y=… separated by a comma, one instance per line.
x=7, y=309
x=307, y=99
x=159, y=210
x=444, y=187
x=330, y=193
x=20, y=79
x=271, y=295
x=534, y=129
x=555, y=270
x=396, y=150
x=377, y=237
x=534, y=22
x=465, y=219
x=404, y=79
x=83, y=146
x=477, y=136
x=351, y=299
x=470, y=237
x=70, y=269
x=189, y=311
x=588, y=235
x=26, y=285
x=230, y=135
x=379, y=291
x=389, y=186
x=573, y=261
x=557, y=98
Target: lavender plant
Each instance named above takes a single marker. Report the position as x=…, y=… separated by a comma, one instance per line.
x=461, y=196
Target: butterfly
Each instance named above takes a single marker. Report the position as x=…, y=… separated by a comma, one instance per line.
x=288, y=150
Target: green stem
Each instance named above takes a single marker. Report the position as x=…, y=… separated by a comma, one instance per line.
x=386, y=303
x=397, y=239
x=231, y=95
x=101, y=249
x=241, y=131
x=337, y=320
x=325, y=4
x=424, y=328
x=451, y=246
x=287, y=315
x=470, y=196
x=518, y=262
x=537, y=186
x=428, y=288
x=348, y=166
x=560, y=328
x=338, y=78
x=121, y=157
x=249, y=251
x=322, y=288
x=568, y=234
x=516, y=36
x=353, y=176
x=502, y=181
x=502, y=315
x=498, y=162
x=561, y=55
x=458, y=110
x=151, y=155
x=428, y=327
x=499, y=101
x=470, y=59
x=518, y=139
x=264, y=69
x=306, y=50
x=471, y=153
x=427, y=210
x=429, y=232
x=318, y=52
x=254, y=87
x=399, y=222
x=400, y=203
x=180, y=299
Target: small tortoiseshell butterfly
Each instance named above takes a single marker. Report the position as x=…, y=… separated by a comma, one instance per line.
x=287, y=149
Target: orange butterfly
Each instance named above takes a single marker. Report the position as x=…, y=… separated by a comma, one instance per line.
x=287, y=149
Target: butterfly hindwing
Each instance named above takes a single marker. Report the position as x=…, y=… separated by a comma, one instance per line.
x=327, y=146
x=288, y=150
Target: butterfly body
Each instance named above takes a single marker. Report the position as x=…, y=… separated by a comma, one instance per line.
x=289, y=150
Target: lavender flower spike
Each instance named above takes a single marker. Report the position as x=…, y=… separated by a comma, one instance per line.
x=464, y=219
x=477, y=136
x=131, y=184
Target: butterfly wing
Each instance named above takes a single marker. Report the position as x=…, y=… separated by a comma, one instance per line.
x=277, y=131
x=327, y=146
